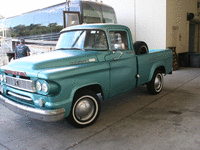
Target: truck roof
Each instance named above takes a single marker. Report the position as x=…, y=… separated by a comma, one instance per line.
x=105, y=26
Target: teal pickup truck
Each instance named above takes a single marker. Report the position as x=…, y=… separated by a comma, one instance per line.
x=88, y=60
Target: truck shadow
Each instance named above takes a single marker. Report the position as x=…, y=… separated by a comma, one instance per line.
x=110, y=106
x=112, y=110
x=148, y=107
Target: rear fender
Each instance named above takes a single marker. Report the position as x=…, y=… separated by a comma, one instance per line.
x=157, y=65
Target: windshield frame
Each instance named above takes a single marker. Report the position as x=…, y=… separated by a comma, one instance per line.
x=85, y=29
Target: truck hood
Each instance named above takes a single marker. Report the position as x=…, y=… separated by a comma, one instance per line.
x=35, y=64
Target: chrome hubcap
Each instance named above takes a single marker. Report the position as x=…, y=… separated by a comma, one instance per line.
x=158, y=82
x=84, y=109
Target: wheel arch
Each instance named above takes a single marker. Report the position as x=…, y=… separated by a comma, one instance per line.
x=157, y=66
x=89, y=92
x=96, y=88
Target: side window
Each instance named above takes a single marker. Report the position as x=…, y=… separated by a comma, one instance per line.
x=118, y=40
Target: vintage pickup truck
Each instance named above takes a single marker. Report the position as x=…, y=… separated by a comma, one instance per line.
x=88, y=60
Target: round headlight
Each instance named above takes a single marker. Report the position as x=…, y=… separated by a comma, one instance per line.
x=44, y=87
x=38, y=86
x=1, y=77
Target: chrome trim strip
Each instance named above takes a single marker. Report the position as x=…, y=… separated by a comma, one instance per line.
x=22, y=88
x=19, y=96
x=35, y=113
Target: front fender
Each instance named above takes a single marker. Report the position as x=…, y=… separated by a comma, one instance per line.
x=75, y=89
x=72, y=94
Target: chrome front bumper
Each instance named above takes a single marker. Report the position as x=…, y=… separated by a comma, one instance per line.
x=35, y=113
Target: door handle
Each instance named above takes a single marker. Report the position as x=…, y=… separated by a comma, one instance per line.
x=121, y=53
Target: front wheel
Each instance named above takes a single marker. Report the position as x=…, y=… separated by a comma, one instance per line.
x=85, y=109
x=156, y=84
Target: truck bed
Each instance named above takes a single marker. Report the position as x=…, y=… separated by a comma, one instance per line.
x=147, y=63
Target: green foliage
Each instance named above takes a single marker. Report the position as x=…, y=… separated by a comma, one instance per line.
x=34, y=29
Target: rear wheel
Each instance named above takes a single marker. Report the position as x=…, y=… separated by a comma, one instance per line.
x=85, y=109
x=155, y=86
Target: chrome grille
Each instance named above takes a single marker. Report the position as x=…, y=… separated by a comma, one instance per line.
x=23, y=84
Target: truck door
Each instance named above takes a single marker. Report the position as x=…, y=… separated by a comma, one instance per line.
x=122, y=60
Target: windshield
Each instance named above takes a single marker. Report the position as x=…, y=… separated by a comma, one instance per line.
x=83, y=39
x=95, y=13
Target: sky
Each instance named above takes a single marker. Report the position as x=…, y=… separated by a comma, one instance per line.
x=10, y=8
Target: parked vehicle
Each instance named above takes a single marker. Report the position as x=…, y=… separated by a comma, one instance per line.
x=89, y=59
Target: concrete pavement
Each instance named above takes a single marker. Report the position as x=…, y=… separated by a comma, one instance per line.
x=132, y=121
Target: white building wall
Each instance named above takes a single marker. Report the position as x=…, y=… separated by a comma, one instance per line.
x=125, y=12
x=146, y=19
x=151, y=23
x=160, y=23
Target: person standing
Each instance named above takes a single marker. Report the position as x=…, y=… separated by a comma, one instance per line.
x=22, y=50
